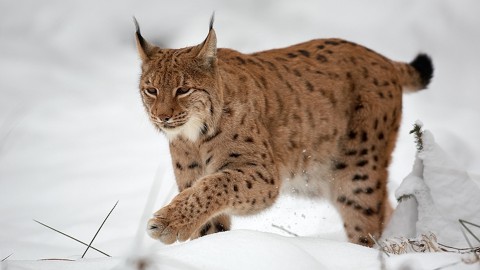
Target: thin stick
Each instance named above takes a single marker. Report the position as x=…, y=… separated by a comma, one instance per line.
x=461, y=222
x=378, y=244
x=447, y=265
x=475, y=249
x=91, y=242
x=71, y=237
x=285, y=230
x=4, y=259
x=469, y=223
x=469, y=231
x=66, y=260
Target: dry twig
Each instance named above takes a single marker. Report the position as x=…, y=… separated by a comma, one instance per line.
x=91, y=242
x=4, y=259
x=285, y=230
x=71, y=237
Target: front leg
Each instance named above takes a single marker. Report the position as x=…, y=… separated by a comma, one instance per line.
x=239, y=188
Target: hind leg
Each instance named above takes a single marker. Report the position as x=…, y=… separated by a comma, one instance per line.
x=359, y=187
x=360, y=197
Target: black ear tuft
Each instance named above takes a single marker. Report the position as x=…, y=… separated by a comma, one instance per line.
x=144, y=48
x=423, y=65
x=137, y=27
x=138, y=34
x=212, y=19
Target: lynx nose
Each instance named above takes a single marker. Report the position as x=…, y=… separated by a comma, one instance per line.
x=164, y=118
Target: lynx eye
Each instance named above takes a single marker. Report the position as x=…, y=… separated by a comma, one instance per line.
x=151, y=92
x=182, y=91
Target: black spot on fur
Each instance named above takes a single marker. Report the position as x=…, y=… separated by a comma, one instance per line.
x=193, y=165
x=362, y=163
x=340, y=165
x=351, y=152
x=220, y=228
x=353, y=60
x=358, y=177
x=235, y=188
x=235, y=155
x=359, y=106
x=309, y=86
x=240, y=60
x=259, y=174
x=291, y=55
x=364, y=136
x=352, y=134
x=179, y=166
x=218, y=132
x=224, y=165
x=368, y=211
x=321, y=58
x=304, y=53
x=205, y=229
x=364, y=240
x=341, y=199
x=264, y=81
x=334, y=43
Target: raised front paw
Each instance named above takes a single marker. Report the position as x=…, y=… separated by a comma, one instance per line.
x=169, y=225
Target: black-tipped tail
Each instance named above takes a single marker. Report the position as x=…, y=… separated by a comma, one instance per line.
x=424, y=66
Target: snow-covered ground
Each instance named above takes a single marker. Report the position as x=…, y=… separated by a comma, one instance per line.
x=74, y=138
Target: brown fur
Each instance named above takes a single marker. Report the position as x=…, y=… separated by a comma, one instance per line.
x=320, y=118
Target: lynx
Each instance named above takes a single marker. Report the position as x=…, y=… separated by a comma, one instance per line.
x=319, y=118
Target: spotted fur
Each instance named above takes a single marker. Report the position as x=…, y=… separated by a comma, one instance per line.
x=319, y=118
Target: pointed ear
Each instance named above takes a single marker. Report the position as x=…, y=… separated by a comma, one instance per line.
x=145, y=49
x=208, y=49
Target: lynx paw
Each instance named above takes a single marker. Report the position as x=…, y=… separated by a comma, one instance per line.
x=169, y=225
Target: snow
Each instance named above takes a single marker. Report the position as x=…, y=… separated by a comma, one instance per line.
x=74, y=138
x=434, y=197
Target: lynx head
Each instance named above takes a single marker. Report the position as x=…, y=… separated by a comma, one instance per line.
x=180, y=87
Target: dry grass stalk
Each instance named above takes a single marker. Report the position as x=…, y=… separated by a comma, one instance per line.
x=71, y=237
x=285, y=230
x=91, y=242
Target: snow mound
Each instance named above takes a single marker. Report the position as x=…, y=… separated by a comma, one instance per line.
x=434, y=197
x=244, y=249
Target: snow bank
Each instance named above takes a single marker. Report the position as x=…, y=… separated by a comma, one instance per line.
x=434, y=197
x=242, y=249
